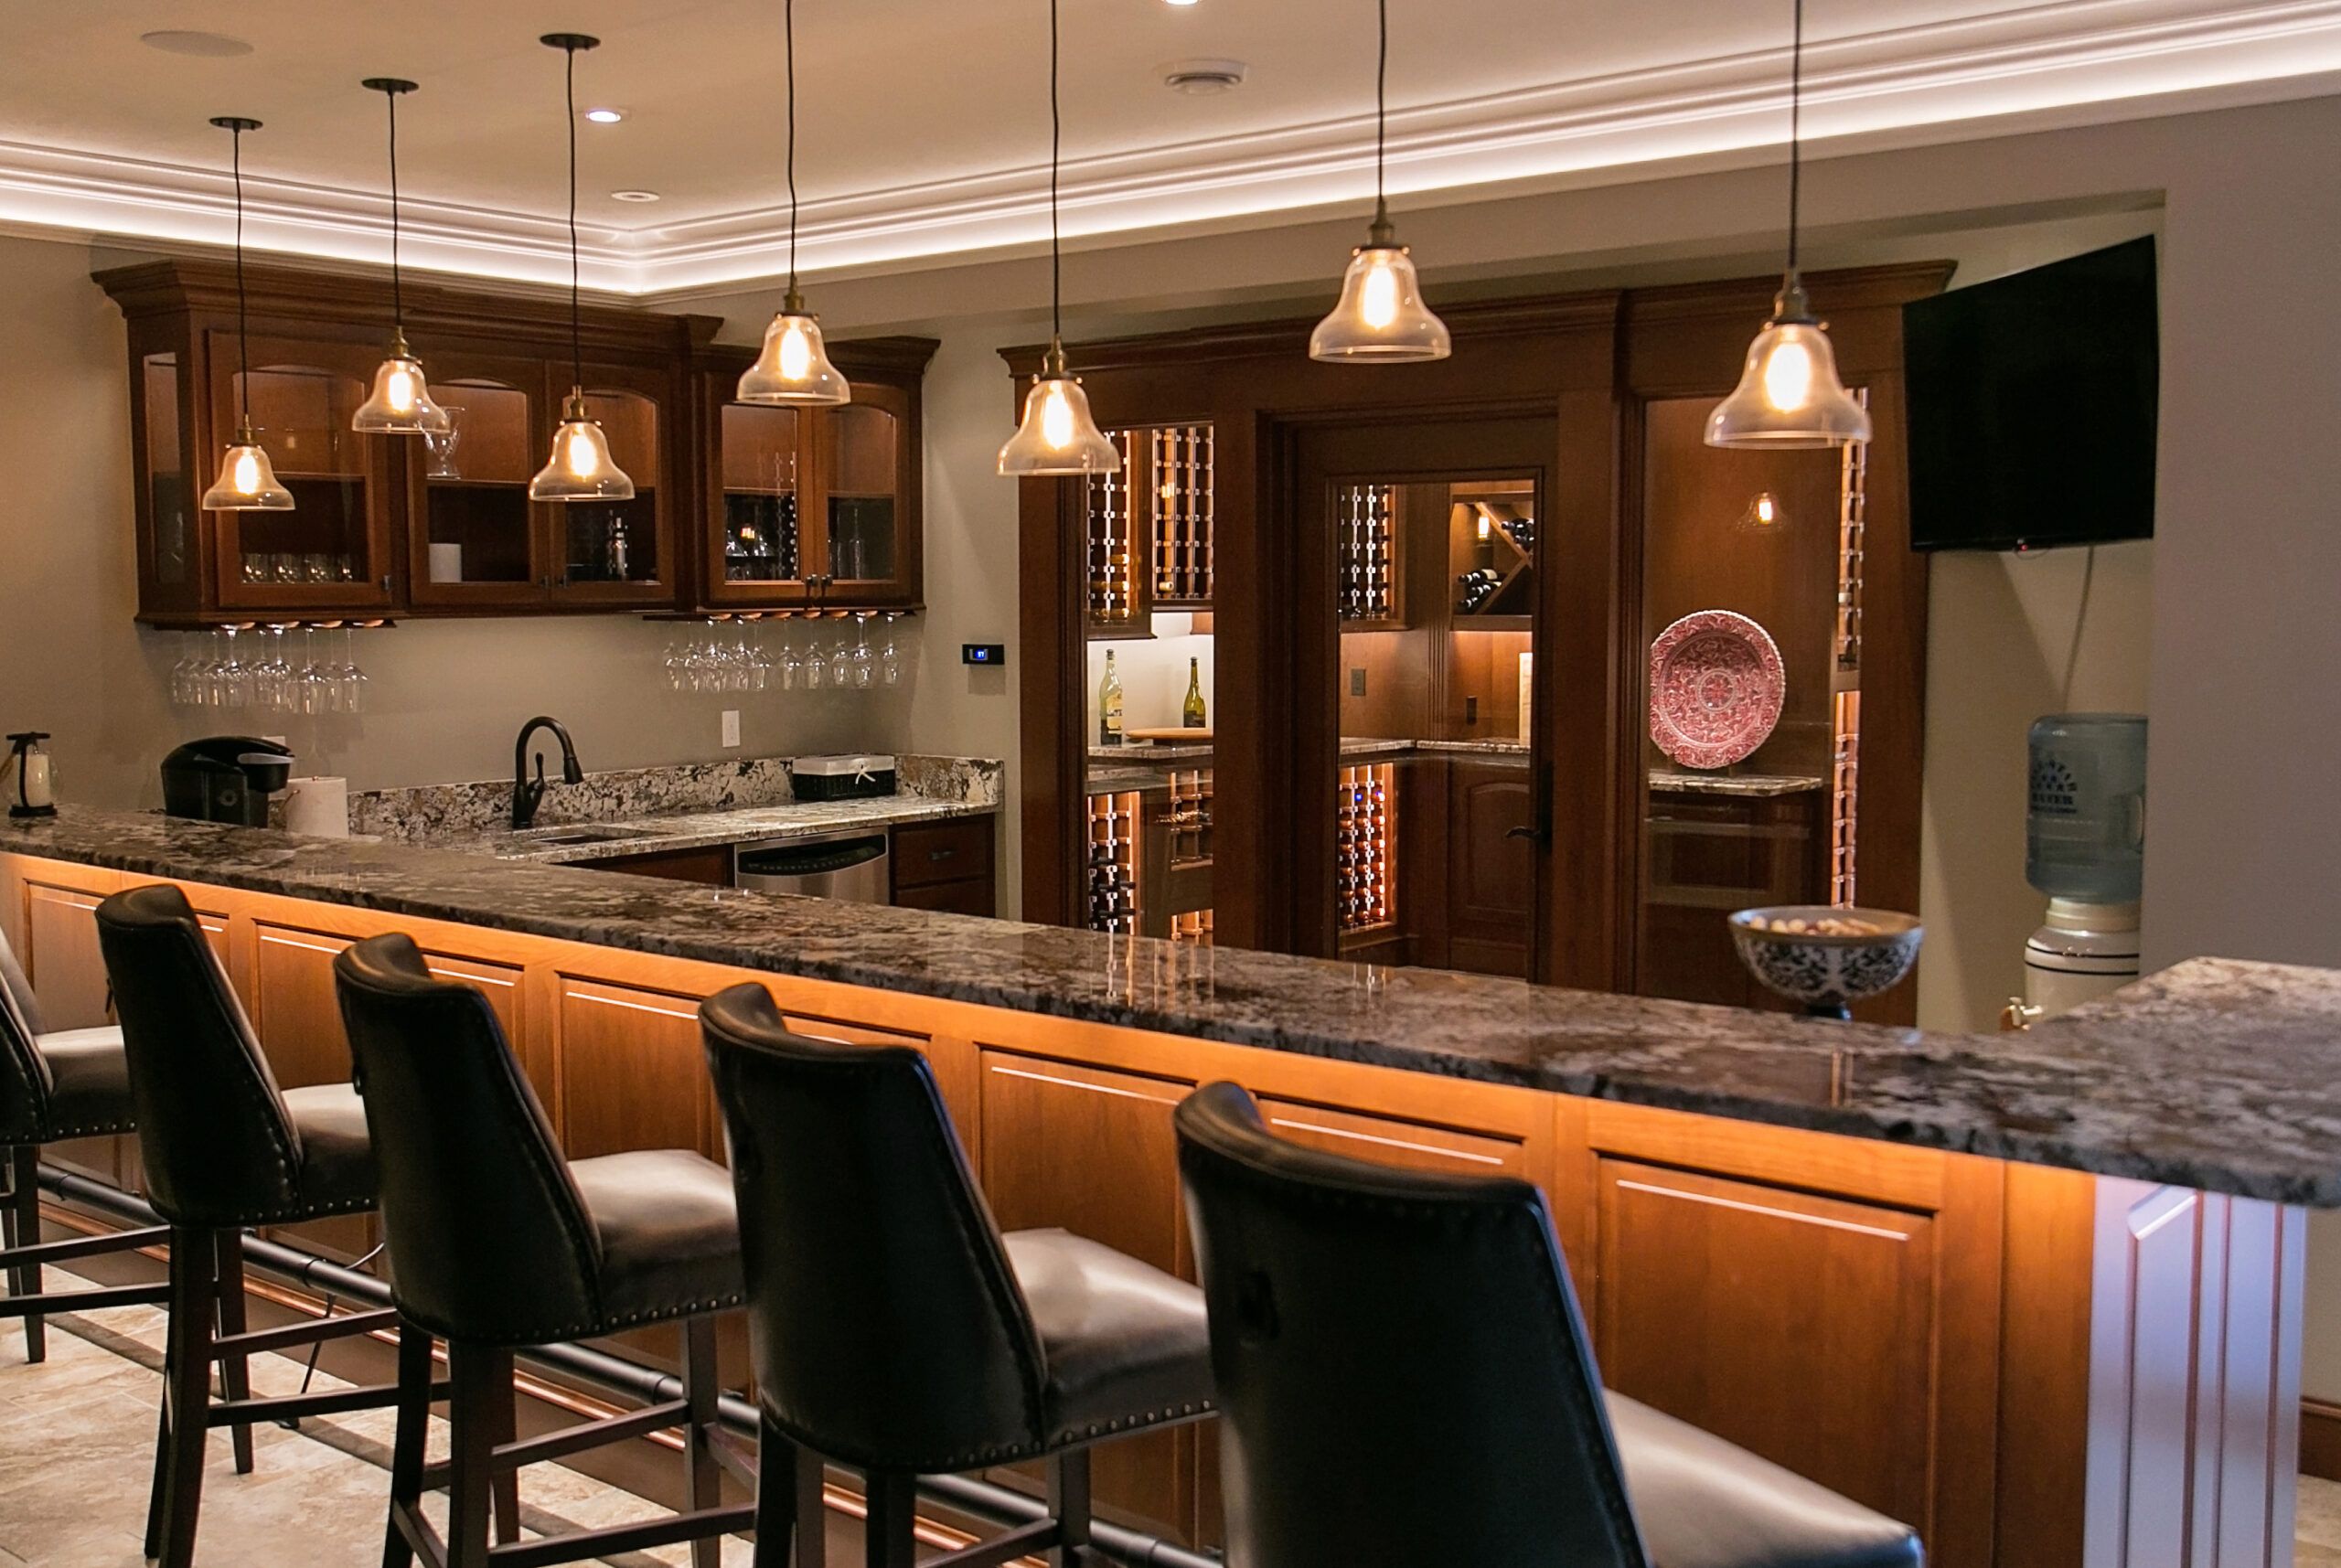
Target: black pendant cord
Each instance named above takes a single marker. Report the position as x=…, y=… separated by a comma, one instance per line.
x=1056, y=157
x=243, y=319
x=398, y=294
x=1382, y=108
x=1796, y=127
x=789, y=34
x=576, y=316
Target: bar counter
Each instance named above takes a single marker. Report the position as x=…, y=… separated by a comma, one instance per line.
x=2039, y=1294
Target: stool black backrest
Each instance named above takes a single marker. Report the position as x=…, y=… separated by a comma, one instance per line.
x=219, y=1150
x=493, y=1243
x=886, y=1327
x=25, y=1080
x=1402, y=1375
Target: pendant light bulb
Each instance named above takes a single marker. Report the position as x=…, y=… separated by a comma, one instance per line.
x=794, y=368
x=401, y=402
x=247, y=481
x=792, y=371
x=1789, y=394
x=1379, y=318
x=581, y=467
x=1059, y=436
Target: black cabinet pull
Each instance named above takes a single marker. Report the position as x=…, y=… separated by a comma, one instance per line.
x=941, y=854
x=1534, y=835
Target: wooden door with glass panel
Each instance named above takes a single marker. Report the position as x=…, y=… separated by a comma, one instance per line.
x=619, y=552
x=333, y=550
x=474, y=536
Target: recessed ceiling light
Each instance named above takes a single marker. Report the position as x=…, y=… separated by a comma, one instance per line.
x=634, y=196
x=1199, y=77
x=606, y=116
x=1178, y=2
x=211, y=46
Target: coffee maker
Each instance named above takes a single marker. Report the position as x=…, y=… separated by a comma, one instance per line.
x=225, y=778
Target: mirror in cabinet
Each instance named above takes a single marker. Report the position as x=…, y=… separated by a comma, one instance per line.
x=333, y=548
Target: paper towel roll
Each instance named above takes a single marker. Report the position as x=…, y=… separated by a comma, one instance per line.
x=318, y=807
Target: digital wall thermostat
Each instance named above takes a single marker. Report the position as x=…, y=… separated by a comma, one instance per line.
x=983, y=653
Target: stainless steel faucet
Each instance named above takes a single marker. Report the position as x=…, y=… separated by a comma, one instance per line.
x=528, y=793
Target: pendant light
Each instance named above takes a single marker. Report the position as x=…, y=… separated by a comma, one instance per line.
x=794, y=368
x=1058, y=435
x=247, y=481
x=1381, y=318
x=401, y=403
x=1789, y=394
x=581, y=467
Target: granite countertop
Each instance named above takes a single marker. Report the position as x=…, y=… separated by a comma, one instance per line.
x=704, y=829
x=2216, y=1074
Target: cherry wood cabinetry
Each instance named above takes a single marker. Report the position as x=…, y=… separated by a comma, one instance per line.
x=398, y=526
x=2039, y=1369
x=811, y=507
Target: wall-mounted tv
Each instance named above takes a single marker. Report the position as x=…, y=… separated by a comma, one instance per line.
x=2032, y=406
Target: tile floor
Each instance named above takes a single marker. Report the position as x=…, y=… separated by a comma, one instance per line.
x=76, y=1439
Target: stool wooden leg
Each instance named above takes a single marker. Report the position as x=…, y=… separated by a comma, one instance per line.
x=187, y=1394
x=893, y=1517
x=702, y=1477
x=812, y=1512
x=409, y=1448
x=1069, y=1505
x=235, y=1370
x=505, y=1484
x=474, y=1424
x=776, y=1489
x=24, y=1230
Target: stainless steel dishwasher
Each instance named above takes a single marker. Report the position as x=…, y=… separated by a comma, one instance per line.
x=850, y=864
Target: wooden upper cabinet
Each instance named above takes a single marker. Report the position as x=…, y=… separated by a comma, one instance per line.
x=805, y=506
x=394, y=525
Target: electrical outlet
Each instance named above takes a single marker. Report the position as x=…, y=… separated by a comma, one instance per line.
x=1357, y=683
x=1471, y=710
x=730, y=726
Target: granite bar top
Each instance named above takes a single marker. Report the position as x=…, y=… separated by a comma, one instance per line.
x=2216, y=1074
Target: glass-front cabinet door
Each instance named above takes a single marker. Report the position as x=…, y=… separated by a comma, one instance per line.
x=613, y=552
x=756, y=551
x=474, y=539
x=862, y=546
x=333, y=548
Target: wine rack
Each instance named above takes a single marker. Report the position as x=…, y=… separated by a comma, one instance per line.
x=1112, y=861
x=1115, y=600
x=1363, y=514
x=1365, y=839
x=1844, y=793
x=1853, y=506
x=1189, y=818
x=1192, y=926
x=1182, y=487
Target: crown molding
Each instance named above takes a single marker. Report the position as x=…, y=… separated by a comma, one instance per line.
x=2078, y=61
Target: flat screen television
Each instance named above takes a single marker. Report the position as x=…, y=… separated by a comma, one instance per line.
x=2032, y=406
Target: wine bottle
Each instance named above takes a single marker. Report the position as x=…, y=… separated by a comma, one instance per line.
x=1191, y=714
x=1109, y=706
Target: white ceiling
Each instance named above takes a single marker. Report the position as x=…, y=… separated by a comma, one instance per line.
x=923, y=123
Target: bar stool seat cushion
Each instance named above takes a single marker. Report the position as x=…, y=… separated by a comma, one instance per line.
x=1706, y=1503
x=1124, y=1344
x=337, y=1174
x=669, y=1231
x=89, y=1083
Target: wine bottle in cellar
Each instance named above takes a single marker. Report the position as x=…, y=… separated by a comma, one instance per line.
x=1190, y=714
x=1109, y=706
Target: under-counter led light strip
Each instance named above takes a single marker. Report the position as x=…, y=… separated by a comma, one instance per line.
x=2070, y=60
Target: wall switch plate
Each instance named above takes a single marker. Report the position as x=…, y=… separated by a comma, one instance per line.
x=983, y=653
x=730, y=726
x=1357, y=683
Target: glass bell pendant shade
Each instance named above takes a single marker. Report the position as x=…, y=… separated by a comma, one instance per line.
x=1789, y=395
x=581, y=467
x=401, y=403
x=1059, y=436
x=1381, y=317
x=794, y=368
x=247, y=481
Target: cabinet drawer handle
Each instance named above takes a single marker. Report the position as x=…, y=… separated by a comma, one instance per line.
x=941, y=854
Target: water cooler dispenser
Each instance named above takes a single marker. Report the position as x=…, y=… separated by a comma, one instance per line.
x=2085, y=839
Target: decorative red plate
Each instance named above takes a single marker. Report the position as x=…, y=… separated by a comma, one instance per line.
x=1715, y=688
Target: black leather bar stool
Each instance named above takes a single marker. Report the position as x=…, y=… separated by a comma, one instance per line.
x=54, y=1085
x=225, y=1150
x=893, y=1328
x=1403, y=1379
x=501, y=1244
